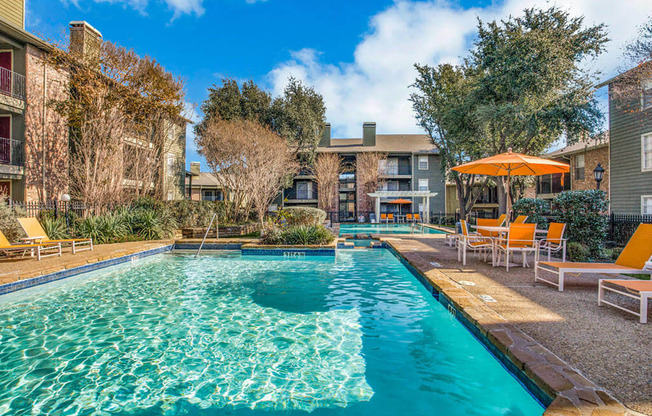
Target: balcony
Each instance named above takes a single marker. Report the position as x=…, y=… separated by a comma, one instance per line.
x=11, y=152
x=12, y=84
x=396, y=171
x=300, y=195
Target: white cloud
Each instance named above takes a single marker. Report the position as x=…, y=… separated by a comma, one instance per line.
x=179, y=7
x=374, y=87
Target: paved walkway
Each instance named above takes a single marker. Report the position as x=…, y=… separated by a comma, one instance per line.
x=15, y=267
x=608, y=346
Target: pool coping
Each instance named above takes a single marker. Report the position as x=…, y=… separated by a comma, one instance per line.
x=539, y=369
x=85, y=268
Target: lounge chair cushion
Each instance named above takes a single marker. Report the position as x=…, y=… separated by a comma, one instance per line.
x=587, y=266
x=635, y=285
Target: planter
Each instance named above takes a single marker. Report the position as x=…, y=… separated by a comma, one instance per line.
x=226, y=231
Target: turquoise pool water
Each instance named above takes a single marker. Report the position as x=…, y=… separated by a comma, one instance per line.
x=382, y=229
x=246, y=335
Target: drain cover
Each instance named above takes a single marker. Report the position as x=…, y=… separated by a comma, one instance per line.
x=487, y=298
x=466, y=283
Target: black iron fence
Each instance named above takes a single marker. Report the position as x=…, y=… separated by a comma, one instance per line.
x=622, y=227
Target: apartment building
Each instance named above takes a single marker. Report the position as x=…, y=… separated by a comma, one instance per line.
x=630, y=152
x=34, y=139
x=412, y=172
x=583, y=157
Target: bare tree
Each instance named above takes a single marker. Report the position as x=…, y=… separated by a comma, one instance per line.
x=249, y=161
x=370, y=171
x=327, y=169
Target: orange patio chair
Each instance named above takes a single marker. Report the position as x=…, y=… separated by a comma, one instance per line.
x=468, y=241
x=7, y=247
x=35, y=232
x=390, y=217
x=383, y=217
x=520, y=238
x=408, y=217
x=635, y=259
x=417, y=217
x=555, y=240
x=520, y=219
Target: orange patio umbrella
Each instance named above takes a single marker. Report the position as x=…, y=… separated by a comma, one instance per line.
x=513, y=164
x=400, y=201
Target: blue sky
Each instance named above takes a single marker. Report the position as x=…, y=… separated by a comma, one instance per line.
x=358, y=54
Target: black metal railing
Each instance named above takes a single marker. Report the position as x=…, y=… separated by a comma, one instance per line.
x=300, y=194
x=396, y=170
x=12, y=84
x=11, y=152
x=622, y=227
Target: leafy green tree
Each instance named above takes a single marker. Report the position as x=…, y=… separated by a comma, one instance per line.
x=441, y=108
x=298, y=115
x=530, y=88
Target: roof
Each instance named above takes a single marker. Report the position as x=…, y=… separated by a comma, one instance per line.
x=596, y=142
x=394, y=143
x=21, y=34
x=204, y=179
x=615, y=78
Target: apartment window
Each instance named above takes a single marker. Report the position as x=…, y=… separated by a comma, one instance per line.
x=392, y=185
x=579, y=167
x=423, y=184
x=304, y=190
x=646, y=95
x=646, y=205
x=646, y=149
x=423, y=162
x=392, y=166
x=212, y=195
x=171, y=163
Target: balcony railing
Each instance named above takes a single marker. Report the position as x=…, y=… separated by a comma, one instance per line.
x=302, y=195
x=11, y=152
x=12, y=84
x=394, y=170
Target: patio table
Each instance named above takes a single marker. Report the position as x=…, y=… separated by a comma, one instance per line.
x=502, y=231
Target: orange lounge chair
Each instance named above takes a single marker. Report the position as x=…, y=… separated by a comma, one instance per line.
x=632, y=260
x=6, y=247
x=520, y=219
x=640, y=290
x=35, y=232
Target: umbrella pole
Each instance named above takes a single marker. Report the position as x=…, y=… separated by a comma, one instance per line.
x=508, y=205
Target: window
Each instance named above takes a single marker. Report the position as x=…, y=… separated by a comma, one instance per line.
x=423, y=162
x=579, y=167
x=423, y=184
x=392, y=185
x=171, y=163
x=646, y=95
x=212, y=195
x=646, y=149
x=304, y=190
x=646, y=205
x=392, y=166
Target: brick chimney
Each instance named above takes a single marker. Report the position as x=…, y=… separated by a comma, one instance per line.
x=368, y=133
x=195, y=168
x=325, y=140
x=85, y=41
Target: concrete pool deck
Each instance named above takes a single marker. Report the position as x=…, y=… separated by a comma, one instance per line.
x=560, y=339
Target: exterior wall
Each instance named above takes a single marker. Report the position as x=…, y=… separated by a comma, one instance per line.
x=46, y=133
x=174, y=181
x=628, y=181
x=13, y=11
x=436, y=183
x=591, y=160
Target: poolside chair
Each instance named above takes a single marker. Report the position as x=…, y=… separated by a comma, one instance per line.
x=640, y=290
x=520, y=238
x=555, y=241
x=390, y=217
x=383, y=218
x=473, y=242
x=520, y=219
x=34, y=231
x=501, y=220
x=632, y=260
x=39, y=248
x=408, y=217
x=417, y=217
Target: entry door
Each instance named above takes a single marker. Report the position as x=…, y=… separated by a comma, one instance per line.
x=5, y=72
x=5, y=139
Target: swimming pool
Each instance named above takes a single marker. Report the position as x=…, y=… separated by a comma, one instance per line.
x=383, y=229
x=246, y=335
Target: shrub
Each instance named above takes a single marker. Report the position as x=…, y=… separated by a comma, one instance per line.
x=8, y=223
x=577, y=251
x=56, y=229
x=583, y=213
x=534, y=209
x=303, y=216
x=298, y=235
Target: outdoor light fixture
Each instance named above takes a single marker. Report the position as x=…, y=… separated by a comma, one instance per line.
x=597, y=174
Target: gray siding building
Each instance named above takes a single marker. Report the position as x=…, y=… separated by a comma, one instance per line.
x=631, y=152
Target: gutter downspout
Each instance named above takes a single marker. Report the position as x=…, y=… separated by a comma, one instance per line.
x=43, y=130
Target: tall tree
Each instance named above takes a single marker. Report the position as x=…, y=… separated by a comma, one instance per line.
x=328, y=167
x=442, y=109
x=298, y=115
x=531, y=88
x=369, y=168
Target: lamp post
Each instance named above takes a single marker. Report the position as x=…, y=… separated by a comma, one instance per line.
x=598, y=172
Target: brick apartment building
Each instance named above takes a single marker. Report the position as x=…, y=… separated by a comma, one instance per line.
x=34, y=139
